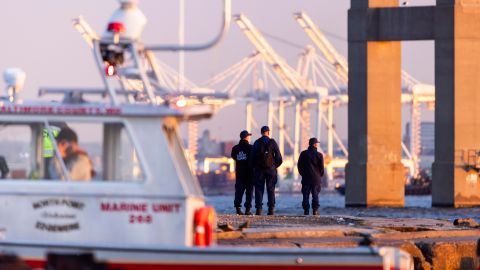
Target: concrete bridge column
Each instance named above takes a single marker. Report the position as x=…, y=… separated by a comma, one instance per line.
x=374, y=173
x=457, y=107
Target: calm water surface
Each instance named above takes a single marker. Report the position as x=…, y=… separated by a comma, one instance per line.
x=332, y=203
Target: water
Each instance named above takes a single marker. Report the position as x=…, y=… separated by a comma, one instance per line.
x=332, y=203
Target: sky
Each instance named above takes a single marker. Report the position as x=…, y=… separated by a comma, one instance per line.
x=39, y=38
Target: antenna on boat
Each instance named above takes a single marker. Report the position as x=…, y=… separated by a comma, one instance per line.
x=125, y=63
x=15, y=80
x=227, y=17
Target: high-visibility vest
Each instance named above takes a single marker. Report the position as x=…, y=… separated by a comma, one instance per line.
x=48, y=148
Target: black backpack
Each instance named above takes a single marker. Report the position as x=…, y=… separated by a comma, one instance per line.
x=265, y=155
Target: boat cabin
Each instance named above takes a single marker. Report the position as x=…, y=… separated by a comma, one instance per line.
x=141, y=190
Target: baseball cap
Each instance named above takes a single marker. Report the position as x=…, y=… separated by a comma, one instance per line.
x=244, y=134
x=264, y=129
x=312, y=141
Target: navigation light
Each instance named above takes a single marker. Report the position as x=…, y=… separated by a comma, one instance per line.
x=116, y=27
x=110, y=70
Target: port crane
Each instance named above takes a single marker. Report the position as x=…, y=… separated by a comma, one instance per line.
x=323, y=44
x=297, y=88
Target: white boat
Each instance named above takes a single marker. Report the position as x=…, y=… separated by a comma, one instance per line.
x=140, y=216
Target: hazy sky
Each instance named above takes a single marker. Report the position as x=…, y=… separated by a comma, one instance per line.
x=39, y=38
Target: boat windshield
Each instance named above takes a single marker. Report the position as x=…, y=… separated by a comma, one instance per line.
x=68, y=151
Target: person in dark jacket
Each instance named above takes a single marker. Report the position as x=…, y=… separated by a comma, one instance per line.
x=310, y=167
x=242, y=154
x=3, y=168
x=266, y=160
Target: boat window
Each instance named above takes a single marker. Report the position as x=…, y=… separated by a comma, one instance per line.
x=16, y=152
x=121, y=158
x=69, y=151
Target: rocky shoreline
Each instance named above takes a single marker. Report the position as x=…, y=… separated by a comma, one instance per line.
x=433, y=243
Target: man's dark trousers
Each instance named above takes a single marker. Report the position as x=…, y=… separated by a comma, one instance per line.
x=306, y=191
x=243, y=185
x=264, y=177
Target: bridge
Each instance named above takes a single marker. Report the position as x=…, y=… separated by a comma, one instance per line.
x=374, y=173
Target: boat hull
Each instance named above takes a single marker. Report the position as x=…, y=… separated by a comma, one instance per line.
x=210, y=258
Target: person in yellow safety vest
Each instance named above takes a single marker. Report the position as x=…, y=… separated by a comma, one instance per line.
x=48, y=149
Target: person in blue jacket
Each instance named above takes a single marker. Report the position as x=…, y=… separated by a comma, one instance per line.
x=242, y=154
x=266, y=159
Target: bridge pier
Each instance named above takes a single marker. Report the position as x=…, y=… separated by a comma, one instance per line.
x=457, y=107
x=374, y=171
x=374, y=174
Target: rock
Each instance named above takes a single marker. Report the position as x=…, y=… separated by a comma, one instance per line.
x=450, y=255
x=229, y=235
x=433, y=244
x=226, y=227
x=244, y=225
x=465, y=222
x=366, y=241
x=419, y=261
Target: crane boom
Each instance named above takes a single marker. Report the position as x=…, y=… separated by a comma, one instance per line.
x=287, y=74
x=323, y=44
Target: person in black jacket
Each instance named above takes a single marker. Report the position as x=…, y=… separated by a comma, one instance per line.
x=310, y=167
x=3, y=168
x=242, y=154
x=266, y=160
